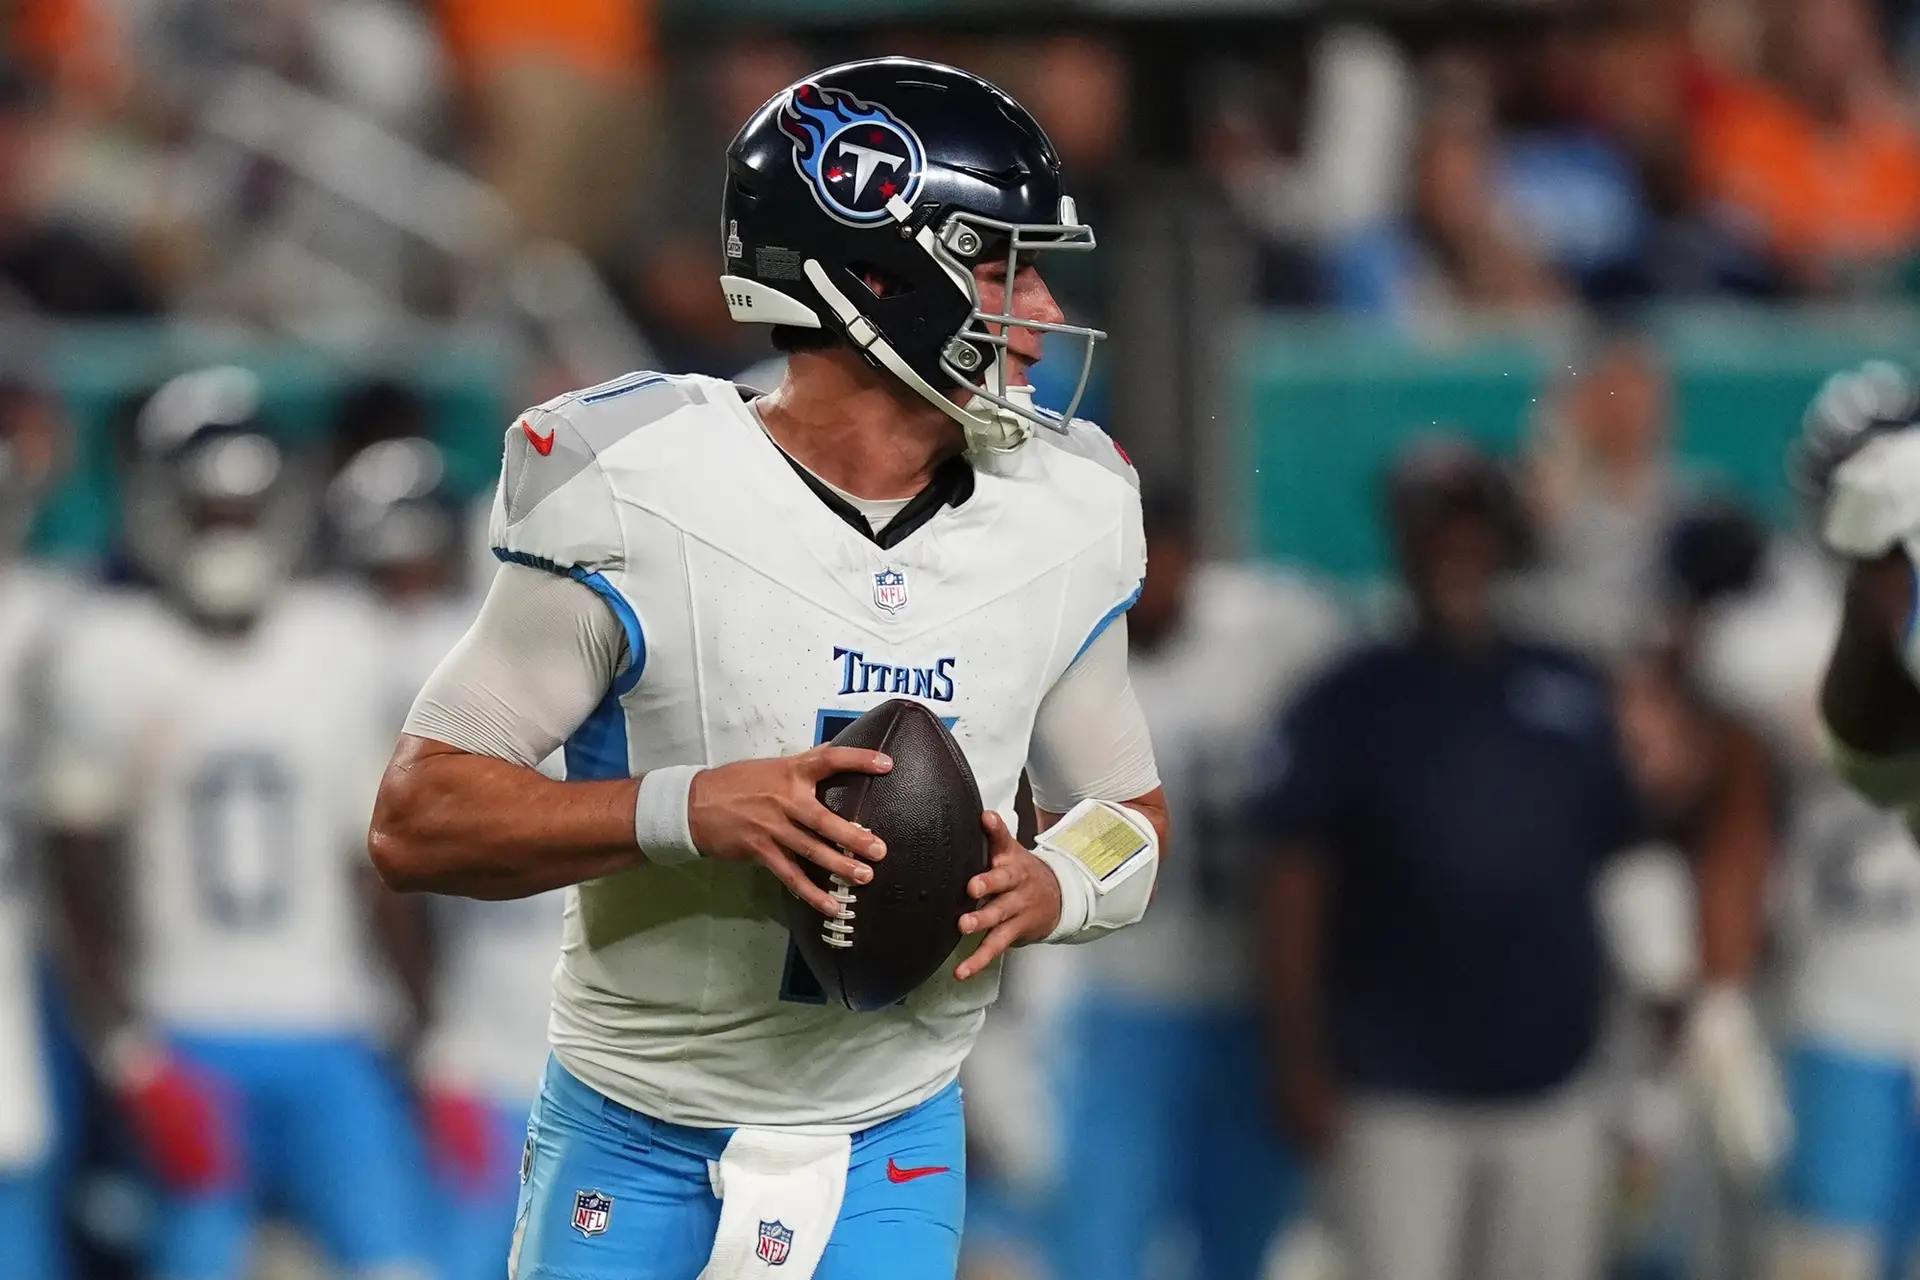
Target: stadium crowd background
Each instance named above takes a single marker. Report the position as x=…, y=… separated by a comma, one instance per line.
x=1619, y=243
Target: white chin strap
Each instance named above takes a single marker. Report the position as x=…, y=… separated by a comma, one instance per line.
x=991, y=428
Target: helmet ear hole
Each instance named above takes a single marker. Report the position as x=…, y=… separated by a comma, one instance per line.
x=880, y=282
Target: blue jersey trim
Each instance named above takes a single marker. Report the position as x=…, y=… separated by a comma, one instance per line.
x=629, y=620
x=598, y=748
x=1104, y=623
x=622, y=387
x=1913, y=606
x=598, y=584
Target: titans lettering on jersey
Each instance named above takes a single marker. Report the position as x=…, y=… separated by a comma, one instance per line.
x=743, y=595
x=860, y=674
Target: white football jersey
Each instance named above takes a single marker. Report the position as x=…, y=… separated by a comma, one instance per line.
x=242, y=773
x=1852, y=877
x=30, y=605
x=1849, y=871
x=760, y=624
x=1211, y=692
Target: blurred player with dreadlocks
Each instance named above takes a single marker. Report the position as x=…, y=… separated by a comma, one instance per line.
x=397, y=521
x=207, y=781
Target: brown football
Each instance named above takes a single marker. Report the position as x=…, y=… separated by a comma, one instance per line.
x=903, y=924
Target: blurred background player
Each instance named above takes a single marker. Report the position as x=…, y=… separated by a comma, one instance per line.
x=31, y=605
x=1850, y=1193
x=397, y=523
x=1703, y=1124
x=1215, y=649
x=207, y=786
x=1440, y=810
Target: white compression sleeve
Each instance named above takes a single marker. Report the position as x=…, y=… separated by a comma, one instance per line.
x=1090, y=738
x=528, y=672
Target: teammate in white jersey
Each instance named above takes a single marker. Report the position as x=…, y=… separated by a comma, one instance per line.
x=1852, y=1184
x=1173, y=1141
x=206, y=777
x=398, y=524
x=32, y=604
x=698, y=591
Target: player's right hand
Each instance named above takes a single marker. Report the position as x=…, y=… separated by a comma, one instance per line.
x=1727, y=1053
x=1858, y=459
x=175, y=1112
x=766, y=811
x=1874, y=499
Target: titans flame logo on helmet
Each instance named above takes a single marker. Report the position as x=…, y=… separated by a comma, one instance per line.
x=855, y=156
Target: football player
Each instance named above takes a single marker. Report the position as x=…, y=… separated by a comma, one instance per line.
x=1168, y=1142
x=698, y=590
x=207, y=774
x=397, y=522
x=31, y=603
x=1850, y=1185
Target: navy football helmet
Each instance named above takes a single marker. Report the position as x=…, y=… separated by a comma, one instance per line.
x=217, y=507
x=394, y=516
x=912, y=173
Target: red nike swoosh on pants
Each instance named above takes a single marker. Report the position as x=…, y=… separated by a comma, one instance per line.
x=896, y=1174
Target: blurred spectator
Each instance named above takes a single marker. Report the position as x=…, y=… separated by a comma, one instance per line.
x=1818, y=162
x=1638, y=82
x=1341, y=194
x=561, y=120
x=1463, y=248
x=1477, y=255
x=1602, y=486
x=46, y=265
x=1442, y=806
x=1170, y=1146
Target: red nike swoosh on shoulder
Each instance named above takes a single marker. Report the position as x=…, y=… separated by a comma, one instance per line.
x=542, y=444
x=896, y=1174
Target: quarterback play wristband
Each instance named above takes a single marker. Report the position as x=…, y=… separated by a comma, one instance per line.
x=1106, y=858
x=660, y=822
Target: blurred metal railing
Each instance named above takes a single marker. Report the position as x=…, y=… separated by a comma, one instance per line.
x=368, y=186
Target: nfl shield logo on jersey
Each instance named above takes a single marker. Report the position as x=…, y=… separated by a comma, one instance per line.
x=775, y=1241
x=890, y=590
x=591, y=1209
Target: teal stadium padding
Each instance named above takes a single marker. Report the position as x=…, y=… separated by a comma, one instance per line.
x=467, y=380
x=1328, y=401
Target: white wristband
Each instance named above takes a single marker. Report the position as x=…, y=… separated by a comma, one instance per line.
x=1076, y=893
x=660, y=820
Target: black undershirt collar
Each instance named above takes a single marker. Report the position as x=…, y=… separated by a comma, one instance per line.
x=951, y=485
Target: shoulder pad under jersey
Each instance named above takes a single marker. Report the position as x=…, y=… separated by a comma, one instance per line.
x=555, y=508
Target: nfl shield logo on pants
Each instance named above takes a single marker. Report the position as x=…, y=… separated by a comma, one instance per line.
x=591, y=1209
x=775, y=1241
x=890, y=590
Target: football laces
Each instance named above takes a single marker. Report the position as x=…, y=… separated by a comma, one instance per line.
x=838, y=933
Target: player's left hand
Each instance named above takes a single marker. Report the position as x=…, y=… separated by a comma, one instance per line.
x=1019, y=899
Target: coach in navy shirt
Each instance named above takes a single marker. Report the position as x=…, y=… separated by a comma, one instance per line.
x=1439, y=808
